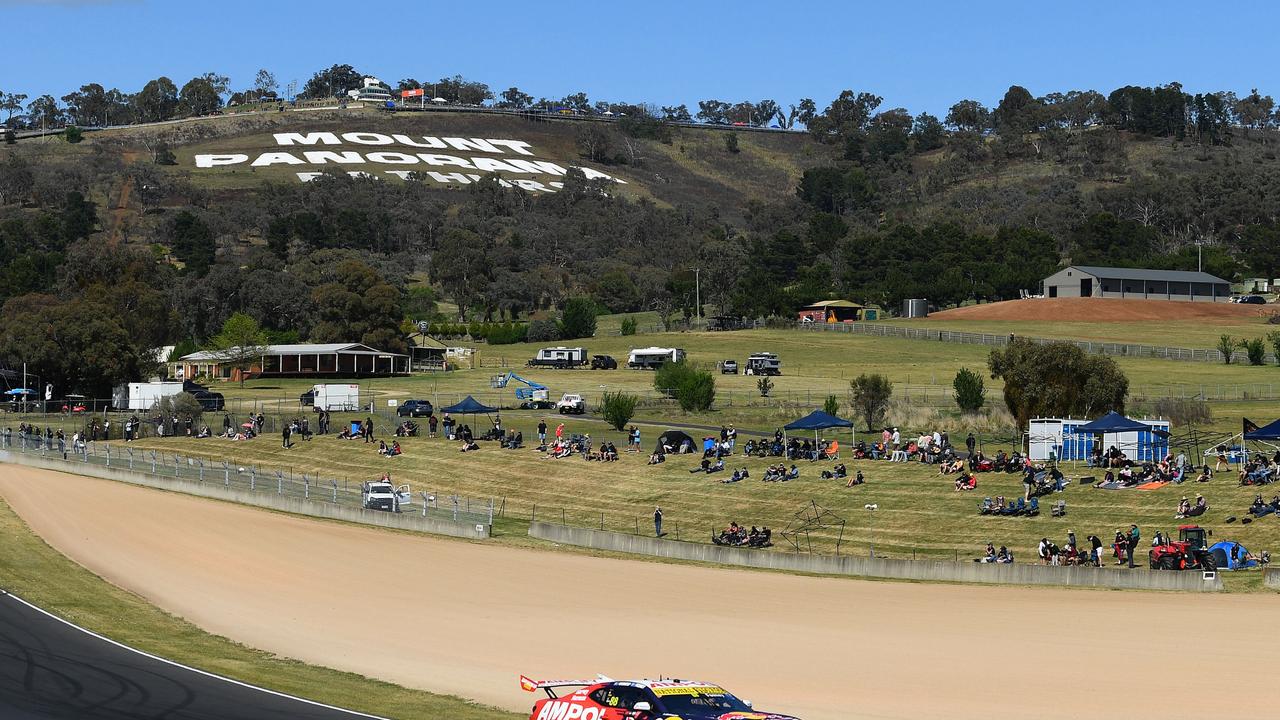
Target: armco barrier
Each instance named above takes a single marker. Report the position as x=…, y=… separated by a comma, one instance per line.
x=298, y=506
x=970, y=572
x=1271, y=577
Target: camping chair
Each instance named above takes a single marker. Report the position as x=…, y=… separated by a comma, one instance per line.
x=833, y=450
x=1059, y=510
x=1020, y=508
x=1033, y=508
x=985, y=507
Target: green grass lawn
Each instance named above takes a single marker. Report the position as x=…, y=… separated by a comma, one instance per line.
x=1171, y=333
x=32, y=570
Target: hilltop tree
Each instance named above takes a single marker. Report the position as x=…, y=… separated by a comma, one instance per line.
x=713, y=111
x=157, y=100
x=354, y=303
x=969, y=116
x=265, y=85
x=11, y=103
x=88, y=105
x=332, y=82
x=198, y=97
x=676, y=113
x=1018, y=112
x=514, y=99
x=869, y=397
x=239, y=344
x=44, y=112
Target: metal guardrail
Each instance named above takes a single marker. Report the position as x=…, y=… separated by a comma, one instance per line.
x=232, y=475
x=969, y=338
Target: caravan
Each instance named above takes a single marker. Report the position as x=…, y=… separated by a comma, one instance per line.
x=143, y=395
x=763, y=363
x=652, y=358
x=559, y=357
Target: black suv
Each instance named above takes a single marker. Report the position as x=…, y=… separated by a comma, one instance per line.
x=415, y=408
x=603, y=362
x=208, y=399
x=1252, y=300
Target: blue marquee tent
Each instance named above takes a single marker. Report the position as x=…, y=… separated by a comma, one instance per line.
x=1266, y=432
x=818, y=420
x=1112, y=422
x=469, y=406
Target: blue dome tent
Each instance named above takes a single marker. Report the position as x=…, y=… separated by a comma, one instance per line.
x=1230, y=555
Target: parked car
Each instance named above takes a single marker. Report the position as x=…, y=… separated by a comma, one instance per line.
x=208, y=399
x=728, y=367
x=1252, y=300
x=603, y=362
x=415, y=408
x=308, y=398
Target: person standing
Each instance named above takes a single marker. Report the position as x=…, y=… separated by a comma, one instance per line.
x=732, y=434
x=1095, y=548
x=1134, y=536
x=542, y=432
x=559, y=432
x=896, y=438
x=970, y=443
x=285, y=433
x=657, y=521
x=368, y=429
x=432, y=424
x=635, y=438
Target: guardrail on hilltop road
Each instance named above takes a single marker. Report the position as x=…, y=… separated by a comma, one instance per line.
x=969, y=338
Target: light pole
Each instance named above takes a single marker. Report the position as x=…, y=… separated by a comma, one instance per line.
x=697, y=291
x=871, y=509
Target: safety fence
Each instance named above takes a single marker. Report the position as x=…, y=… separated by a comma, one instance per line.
x=997, y=340
x=234, y=476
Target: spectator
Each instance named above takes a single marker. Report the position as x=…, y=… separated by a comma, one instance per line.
x=1134, y=537
x=432, y=423
x=285, y=433
x=970, y=443
x=657, y=521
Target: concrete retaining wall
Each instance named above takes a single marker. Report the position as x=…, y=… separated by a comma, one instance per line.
x=777, y=559
x=314, y=508
x=1271, y=577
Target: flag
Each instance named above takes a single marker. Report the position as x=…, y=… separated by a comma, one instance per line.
x=1249, y=426
x=527, y=685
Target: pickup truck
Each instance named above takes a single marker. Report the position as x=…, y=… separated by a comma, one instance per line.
x=382, y=495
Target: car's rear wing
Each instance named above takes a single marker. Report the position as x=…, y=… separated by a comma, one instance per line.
x=549, y=686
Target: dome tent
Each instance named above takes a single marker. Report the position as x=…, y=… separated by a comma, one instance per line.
x=1230, y=555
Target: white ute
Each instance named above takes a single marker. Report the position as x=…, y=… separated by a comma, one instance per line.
x=382, y=495
x=571, y=404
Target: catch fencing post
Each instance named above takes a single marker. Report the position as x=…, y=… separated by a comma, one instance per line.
x=280, y=483
x=153, y=462
x=200, y=468
x=108, y=450
x=253, y=476
x=306, y=488
x=490, y=511
x=177, y=467
x=226, y=473
x=455, y=507
x=335, y=490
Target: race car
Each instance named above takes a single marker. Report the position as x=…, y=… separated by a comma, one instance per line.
x=608, y=699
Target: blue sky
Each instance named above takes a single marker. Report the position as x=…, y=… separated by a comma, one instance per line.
x=919, y=55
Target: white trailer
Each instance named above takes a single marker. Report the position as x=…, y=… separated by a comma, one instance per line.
x=652, y=358
x=559, y=357
x=763, y=363
x=143, y=395
x=333, y=396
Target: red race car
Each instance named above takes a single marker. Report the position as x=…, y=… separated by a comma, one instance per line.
x=608, y=699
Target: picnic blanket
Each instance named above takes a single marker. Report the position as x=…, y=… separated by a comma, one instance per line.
x=1113, y=485
x=1153, y=485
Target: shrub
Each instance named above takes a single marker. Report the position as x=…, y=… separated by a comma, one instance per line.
x=617, y=408
x=692, y=389
x=1273, y=319
x=970, y=394
x=1057, y=380
x=1190, y=411
x=73, y=134
x=731, y=142
x=180, y=405
x=869, y=395
x=578, y=318
x=1255, y=350
x=831, y=406
x=507, y=334
x=1226, y=346
x=629, y=325
x=543, y=331
x=764, y=385
x=475, y=330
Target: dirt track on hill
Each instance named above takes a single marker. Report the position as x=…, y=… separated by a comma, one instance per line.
x=1105, y=310
x=467, y=618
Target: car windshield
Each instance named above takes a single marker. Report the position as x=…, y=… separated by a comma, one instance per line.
x=697, y=702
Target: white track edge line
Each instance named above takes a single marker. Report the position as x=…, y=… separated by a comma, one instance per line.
x=188, y=667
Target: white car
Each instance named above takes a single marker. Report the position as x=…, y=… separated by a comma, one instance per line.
x=571, y=404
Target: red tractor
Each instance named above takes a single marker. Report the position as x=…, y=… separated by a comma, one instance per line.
x=1190, y=552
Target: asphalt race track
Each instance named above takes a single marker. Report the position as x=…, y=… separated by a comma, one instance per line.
x=51, y=670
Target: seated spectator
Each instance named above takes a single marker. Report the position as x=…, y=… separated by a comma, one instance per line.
x=394, y=449
x=204, y=432
x=706, y=463
x=1184, y=507
x=469, y=445
x=1199, y=508
x=656, y=458
x=737, y=475
x=382, y=447
x=857, y=479
x=610, y=452
x=1003, y=556
x=966, y=482
x=793, y=473
x=949, y=467
x=717, y=466
x=1205, y=474
x=989, y=556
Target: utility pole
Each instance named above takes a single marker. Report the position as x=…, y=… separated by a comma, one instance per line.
x=697, y=290
x=1199, y=256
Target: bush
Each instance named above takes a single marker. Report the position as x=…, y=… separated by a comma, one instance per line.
x=73, y=134
x=617, y=409
x=1226, y=346
x=869, y=395
x=475, y=330
x=970, y=394
x=692, y=389
x=629, y=325
x=1057, y=379
x=578, y=318
x=831, y=406
x=507, y=333
x=180, y=405
x=1255, y=350
x=764, y=385
x=731, y=142
x=1183, y=411
x=543, y=331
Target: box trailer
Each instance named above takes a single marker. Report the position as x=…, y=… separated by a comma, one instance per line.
x=143, y=395
x=333, y=396
x=652, y=358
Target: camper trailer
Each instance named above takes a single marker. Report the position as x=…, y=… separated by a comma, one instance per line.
x=764, y=363
x=331, y=396
x=652, y=358
x=143, y=395
x=560, y=357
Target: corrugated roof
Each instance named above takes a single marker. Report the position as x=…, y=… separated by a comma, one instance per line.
x=1114, y=273
x=302, y=348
